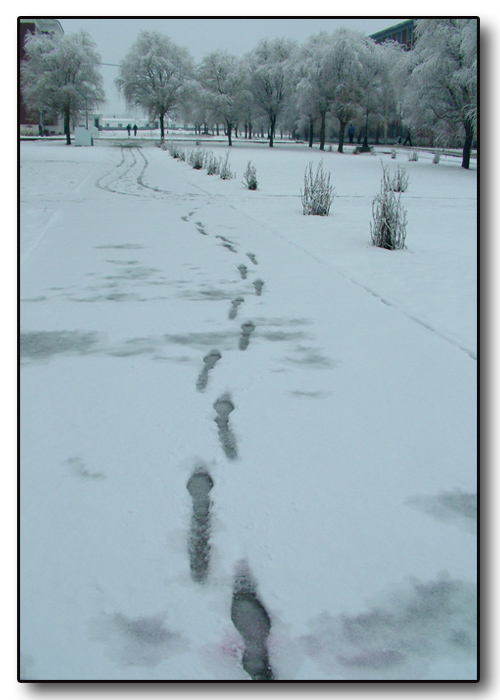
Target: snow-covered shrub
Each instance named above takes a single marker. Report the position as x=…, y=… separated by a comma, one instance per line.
x=397, y=182
x=212, y=164
x=318, y=193
x=394, y=154
x=196, y=158
x=182, y=154
x=413, y=156
x=225, y=169
x=437, y=158
x=175, y=150
x=250, y=176
x=388, y=229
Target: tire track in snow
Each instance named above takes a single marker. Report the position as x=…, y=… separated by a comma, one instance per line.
x=127, y=178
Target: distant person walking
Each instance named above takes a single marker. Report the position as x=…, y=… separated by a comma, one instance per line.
x=128, y=129
x=408, y=138
x=351, y=133
x=135, y=129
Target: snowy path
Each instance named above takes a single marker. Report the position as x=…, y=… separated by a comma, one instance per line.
x=235, y=462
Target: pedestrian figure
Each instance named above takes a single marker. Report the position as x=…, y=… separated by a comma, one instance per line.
x=128, y=129
x=351, y=133
x=408, y=138
x=135, y=129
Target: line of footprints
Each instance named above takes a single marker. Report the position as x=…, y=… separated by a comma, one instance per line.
x=247, y=612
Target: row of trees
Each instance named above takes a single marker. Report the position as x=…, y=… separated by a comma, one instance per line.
x=345, y=77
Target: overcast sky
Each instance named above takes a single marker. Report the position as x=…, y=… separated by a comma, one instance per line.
x=114, y=37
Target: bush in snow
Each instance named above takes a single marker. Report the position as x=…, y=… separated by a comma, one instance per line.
x=318, y=193
x=175, y=150
x=212, y=164
x=388, y=229
x=397, y=182
x=250, y=176
x=394, y=154
x=437, y=158
x=413, y=156
x=196, y=158
x=225, y=169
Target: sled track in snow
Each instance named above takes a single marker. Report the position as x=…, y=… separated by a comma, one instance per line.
x=127, y=178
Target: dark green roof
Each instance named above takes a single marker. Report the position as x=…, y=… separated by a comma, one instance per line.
x=394, y=29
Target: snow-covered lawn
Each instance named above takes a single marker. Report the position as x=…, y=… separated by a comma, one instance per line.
x=322, y=391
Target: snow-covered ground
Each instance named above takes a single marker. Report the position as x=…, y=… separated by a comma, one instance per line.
x=322, y=391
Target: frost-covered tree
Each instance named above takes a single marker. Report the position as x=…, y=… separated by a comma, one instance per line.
x=345, y=65
x=315, y=82
x=221, y=79
x=61, y=75
x=441, y=93
x=370, y=79
x=270, y=70
x=389, y=94
x=155, y=76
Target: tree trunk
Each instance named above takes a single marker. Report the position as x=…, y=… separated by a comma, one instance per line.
x=311, y=132
x=162, y=128
x=322, y=130
x=229, y=129
x=249, y=130
x=66, y=127
x=340, y=149
x=272, y=126
x=469, y=133
x=365, y=147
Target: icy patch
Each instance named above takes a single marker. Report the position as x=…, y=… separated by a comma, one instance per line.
x=402, y=634
x=310, y=357
x=78, y=468
x=121, y=246
x=253, y=623
x=41, y=345
x=455, y=507
x=199, y=339
x=310, y=394
x=141, y=641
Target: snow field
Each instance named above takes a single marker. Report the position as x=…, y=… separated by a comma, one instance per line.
x=354, y=396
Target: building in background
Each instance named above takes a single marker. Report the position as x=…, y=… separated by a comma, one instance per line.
x=30, y=121
x=403, y=33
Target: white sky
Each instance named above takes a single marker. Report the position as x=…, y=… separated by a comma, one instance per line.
x=114, y=36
